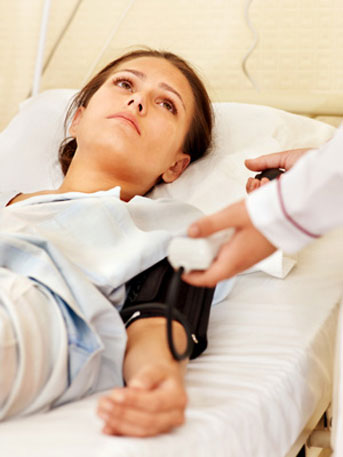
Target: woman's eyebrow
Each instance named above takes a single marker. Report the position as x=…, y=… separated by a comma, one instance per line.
x=164, y=86
x=170, y=89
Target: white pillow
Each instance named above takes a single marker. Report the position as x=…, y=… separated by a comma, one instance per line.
x=29, y=145
x=241, y=131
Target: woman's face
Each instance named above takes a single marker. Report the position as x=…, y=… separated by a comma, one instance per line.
x=135, y=124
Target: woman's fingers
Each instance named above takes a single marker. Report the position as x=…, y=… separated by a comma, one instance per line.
x=121, y=419
x=138, y=411
x=133, y=423
x=156, y=388
x=161, y=399
x=148, y=377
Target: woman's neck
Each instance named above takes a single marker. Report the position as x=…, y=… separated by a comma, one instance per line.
x=82, y=177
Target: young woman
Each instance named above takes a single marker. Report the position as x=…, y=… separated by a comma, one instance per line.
x=66, y=254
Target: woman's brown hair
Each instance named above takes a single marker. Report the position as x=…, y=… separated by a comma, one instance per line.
x=199, y=136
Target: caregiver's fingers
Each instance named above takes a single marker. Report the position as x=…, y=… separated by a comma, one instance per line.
x=253, y=184
x=218, y=271
x=232, y=216
x=284, y=159
x=274, y=160
x=247, y=247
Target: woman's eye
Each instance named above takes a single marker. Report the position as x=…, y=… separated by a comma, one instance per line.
x=123, y=84
x=169, y=105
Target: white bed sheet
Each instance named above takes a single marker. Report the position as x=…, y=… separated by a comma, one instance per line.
x=267, y=370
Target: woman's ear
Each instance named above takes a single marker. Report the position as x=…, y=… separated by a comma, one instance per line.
x=75, y=122
x=176, y=169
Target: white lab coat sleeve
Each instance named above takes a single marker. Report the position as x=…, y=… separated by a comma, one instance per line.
x=305, y=202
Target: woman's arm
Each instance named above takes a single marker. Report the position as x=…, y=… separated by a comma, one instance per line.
x=154, y=399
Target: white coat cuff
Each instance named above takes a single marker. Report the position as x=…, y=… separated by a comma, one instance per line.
x=266, y=214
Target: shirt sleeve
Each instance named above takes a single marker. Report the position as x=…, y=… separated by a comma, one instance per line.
x=305, y=202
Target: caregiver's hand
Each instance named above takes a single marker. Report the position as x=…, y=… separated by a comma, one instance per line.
x=245, y=248
x=285, y=160
x=153, y=402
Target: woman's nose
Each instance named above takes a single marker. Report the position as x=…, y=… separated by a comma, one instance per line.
x=137, y=103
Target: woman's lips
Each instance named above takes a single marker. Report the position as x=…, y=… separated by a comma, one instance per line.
x=128, y=117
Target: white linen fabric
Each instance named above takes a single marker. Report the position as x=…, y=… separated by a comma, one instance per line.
x=268, y=365
x=241, y=131
x=337, y=408
x=70, y=255
x=29, y=144
x=33, y=346
x=33, y=136
x=266, y=372
x=312, y=194
x=6, y=197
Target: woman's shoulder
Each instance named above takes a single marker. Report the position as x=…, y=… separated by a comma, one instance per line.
x=10, y=197
x=7, y=197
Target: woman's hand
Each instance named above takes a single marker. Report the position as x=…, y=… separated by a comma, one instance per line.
x=153, y=402
x=285, y=160
x=245, y=248
x=154, y=399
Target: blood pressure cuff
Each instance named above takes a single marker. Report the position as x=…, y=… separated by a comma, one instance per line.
x=151, y=288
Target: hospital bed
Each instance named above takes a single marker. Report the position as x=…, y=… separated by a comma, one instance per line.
x=266, y=379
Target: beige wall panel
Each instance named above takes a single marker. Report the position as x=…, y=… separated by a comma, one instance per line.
x=179, y=25
x=82, y=42
x=61, y=16
x=300, y=53
x=297, y=64
x=19, y=33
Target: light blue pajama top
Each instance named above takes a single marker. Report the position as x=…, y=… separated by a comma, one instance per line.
x=83, y=248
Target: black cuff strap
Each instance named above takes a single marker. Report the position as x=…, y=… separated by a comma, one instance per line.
x=161, y=289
